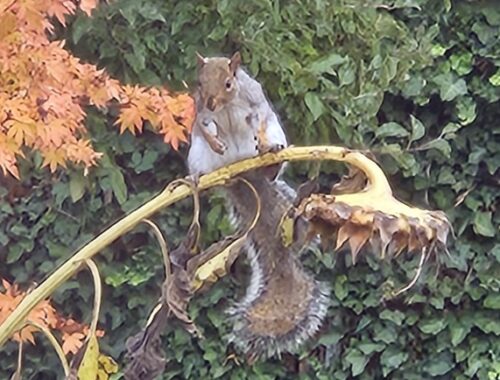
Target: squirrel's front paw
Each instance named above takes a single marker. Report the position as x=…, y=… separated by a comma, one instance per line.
x=210, y=133
x=218, y=146
x=269, y=148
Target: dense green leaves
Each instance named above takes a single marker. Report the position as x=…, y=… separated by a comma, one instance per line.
x=417, y=82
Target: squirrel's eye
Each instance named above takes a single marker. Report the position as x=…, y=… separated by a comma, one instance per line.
x=229, y=84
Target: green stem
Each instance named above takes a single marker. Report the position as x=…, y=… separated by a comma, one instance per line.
x=97, y=296
x=171, y=195
x=53, y=341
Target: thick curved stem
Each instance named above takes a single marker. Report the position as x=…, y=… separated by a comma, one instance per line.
x=169, y=196
x=97, y=295
x=55, y=344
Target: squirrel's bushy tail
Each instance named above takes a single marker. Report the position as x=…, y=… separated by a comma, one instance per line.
x=283, y=305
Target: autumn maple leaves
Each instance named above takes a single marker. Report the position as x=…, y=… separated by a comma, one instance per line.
x=44, y=91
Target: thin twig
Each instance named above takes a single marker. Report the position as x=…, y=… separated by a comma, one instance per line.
x=163, y=246
x=415, y=278
x=257, y=204
x=97, y=295
x=17, y=374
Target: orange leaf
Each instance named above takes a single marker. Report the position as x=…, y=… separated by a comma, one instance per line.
x=130, y=119
x=53, y=158
x=72, y=342
x=21, y=130
x=174, y=135
x=59, y=9
x=8, y=150
x=88, y=5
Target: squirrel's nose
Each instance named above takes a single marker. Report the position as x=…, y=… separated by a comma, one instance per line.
x=211, y=103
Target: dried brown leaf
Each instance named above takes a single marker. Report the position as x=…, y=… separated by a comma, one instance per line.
x=357, y=240
x=352, y=182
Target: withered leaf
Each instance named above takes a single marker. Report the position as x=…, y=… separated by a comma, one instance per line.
x=357, y=240
x=145, y=358
x=305, y=190
x=286, y=228
x=353, y=182
x=215, y=261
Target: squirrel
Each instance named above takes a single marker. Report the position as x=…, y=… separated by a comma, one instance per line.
x=284, y=305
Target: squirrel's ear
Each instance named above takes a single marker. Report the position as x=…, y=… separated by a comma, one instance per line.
x=235, y=61
x=200, y=59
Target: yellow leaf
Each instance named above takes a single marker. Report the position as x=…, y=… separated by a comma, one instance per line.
x=22, y=131
x=52, y=158
x=107, y=366
x=286, y=228
x=88, y=367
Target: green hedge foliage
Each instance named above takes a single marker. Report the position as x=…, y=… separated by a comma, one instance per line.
x=417, y=82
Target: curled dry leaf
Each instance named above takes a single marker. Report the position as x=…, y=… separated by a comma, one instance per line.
x=376, y=217
x=187, y=271
x=353, y=181
x=145, y=357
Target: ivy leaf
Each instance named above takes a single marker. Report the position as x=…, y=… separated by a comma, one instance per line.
x=466, y=110
x=76, y=186
x=395, y=316
x=495, y=79
x=484, y=32
x=440, y=365
x=492, y=301
x=369, y=348
x=483, y=224
x=417, y=129
x=314, y=104
x=331, y=338
x=358, y=361
x=327, y=63
x=438, y=50
x=450, y=128
x=458, y=331
x=391, y=129
x=340, y=288
x=448, y=91
x=118, y=185
x=441, y=145
x=391, y=359
x=432, y=326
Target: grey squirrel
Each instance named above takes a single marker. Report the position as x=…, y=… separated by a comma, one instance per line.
x=283, y=305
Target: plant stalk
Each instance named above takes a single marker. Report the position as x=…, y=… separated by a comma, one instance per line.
x=170, y=195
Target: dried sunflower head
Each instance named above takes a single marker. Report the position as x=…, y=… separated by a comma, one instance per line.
x=374, y=217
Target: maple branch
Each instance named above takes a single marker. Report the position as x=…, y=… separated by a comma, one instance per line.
x=375, y=175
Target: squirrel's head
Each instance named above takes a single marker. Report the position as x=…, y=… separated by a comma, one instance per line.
x=216, y=80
